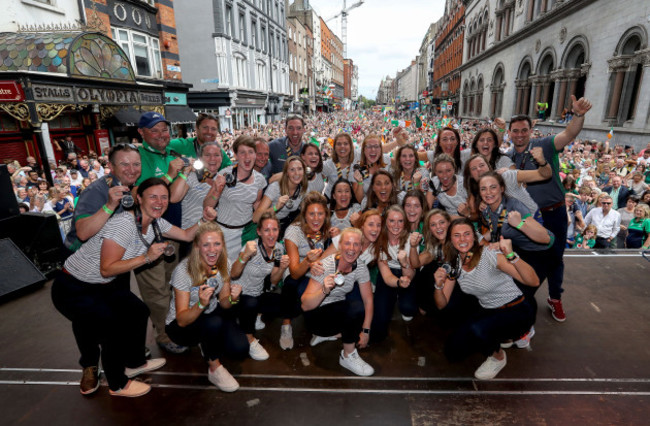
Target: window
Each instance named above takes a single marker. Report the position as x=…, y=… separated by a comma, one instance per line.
x=261, y=75
x=254, y=36
x=240, y=71
x=229, y=30
x=242, y=28
x=143, y=51
x=263, y=39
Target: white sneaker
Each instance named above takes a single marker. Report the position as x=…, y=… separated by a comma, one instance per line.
x=407, y=319
x=507, y=345
x=524, y=342
x=490, y=368
x=257, y=352
x=259, y=324
x=315, y=340
x=222, y=379
x=286, y=337
x=150, y=365
x=355, y=364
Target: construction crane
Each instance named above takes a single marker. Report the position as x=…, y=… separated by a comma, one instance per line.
x=344, y=23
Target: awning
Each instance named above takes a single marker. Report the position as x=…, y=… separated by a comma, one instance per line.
x=128, y=116
x=179, y=114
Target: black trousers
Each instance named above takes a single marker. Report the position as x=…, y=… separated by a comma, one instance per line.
x=110, y=316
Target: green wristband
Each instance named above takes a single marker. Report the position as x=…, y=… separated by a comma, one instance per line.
x=107, y=210
x=182, y=176
x=510, y=255
x=520, y=225
x=169, y=178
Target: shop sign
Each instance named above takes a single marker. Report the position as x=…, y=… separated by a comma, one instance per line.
x=173, y=98
x=90, y=95
x=10, y=91
x=101, y=136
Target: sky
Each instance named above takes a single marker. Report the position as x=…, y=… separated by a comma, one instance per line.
x=384, y=36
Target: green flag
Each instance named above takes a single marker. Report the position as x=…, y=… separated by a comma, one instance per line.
x=314, y=141
x=418, y=122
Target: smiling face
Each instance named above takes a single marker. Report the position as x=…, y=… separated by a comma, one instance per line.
x=350, y=246
x=210, y=248
x=520, y=133
x=157, y=137
x=154, y=201
x=342, y=148
x=477, y=168
x=342, y=195
x=261, y=154
x=269, y=232
x=394, y=223
x=127, y=167
x=445, y=173
x=490, y=191
x=245, y=157
x=372, y=150
x=407, y=159
x=485, y=144
x=315, y=216
x=371, y=228
x=448, y=142
x=462, y=238
x=311, y=156
x=382, y=187
x=207, y=131
x=413, y=209
x=295, y=172
x=438, y=225
x=212, y=158
x=295, y=130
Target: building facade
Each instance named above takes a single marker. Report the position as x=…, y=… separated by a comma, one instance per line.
x=85, y=70
x=332, y=54
x=449, y=56
x=299, y=64
x=521, y=53
x=236, y=56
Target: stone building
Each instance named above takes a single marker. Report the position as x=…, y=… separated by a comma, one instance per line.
x=235, y=54
x=299, y=64
x=518, y=53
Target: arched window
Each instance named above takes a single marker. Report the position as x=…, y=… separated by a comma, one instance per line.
x=497, y=87
x=465, y=97
x=573, y=75
x=524, y=86
x=472, y=96
x=240, y=71
x=625, y=76
x=545, y=85
x=479, y=96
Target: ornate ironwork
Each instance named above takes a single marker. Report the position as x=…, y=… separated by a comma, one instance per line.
x=160, y=109
x=47, y=112
x=106, y=112
x=19, y=111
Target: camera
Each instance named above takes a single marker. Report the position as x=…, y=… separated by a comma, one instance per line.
x=452, y=272
x=310, y=173
x=230, y=180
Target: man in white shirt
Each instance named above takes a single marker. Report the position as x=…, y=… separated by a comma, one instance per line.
x=608, y=222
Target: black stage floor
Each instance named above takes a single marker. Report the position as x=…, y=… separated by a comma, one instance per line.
x=593, y=369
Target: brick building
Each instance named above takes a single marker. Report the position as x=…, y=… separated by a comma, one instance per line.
x=449, y=54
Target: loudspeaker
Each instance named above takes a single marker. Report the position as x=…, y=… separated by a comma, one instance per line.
x=8, y=202
x=38, y=236
x=19, y=275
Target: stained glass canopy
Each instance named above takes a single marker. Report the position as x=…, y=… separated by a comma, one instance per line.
x=86, y=55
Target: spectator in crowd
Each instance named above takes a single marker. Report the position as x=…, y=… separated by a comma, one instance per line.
x=618, y=192
x=608, y=222
x=281, y=149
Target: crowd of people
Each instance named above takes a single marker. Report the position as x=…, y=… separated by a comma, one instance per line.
x=339, y=219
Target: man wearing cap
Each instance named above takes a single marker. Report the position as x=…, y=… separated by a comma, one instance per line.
x=160, y=160
x=282, y=148
x=207, y=129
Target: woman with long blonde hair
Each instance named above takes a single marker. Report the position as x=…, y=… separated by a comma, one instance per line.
x=201, y=283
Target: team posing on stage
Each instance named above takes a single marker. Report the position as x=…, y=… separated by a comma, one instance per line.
x=463, y=236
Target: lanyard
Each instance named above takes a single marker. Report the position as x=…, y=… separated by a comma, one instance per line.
x=495, y=229
x=339, y=171
x=138, y=224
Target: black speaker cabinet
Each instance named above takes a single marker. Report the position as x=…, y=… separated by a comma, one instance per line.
x=8, y=202
x=17, y=274
x=38, y=236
